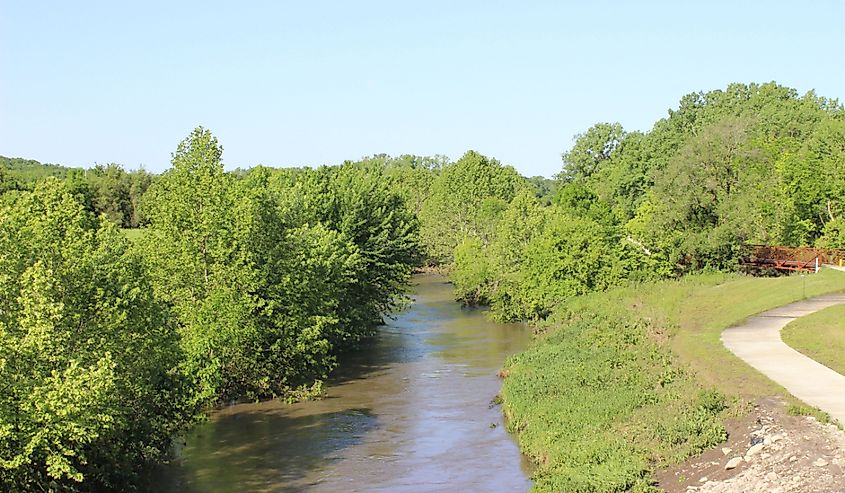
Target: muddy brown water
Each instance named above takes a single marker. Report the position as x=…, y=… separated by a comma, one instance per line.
x=412, y=413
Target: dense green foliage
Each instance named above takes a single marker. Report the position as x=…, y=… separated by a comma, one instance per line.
x=88, y=357
x=243, y=285
x=538, y=257
x=751, y=164
x=117, y=193
x=271, y=274
x=108, y=189
x=464, y=200
x=28, y=170
x=748, y=164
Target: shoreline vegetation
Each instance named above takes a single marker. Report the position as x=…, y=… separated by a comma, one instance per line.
x=621, y=383
x=247, y=284
x=242, y=285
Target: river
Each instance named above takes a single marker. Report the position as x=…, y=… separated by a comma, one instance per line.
x=411, y=413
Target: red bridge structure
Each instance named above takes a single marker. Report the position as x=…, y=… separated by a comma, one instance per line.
x=785, y=258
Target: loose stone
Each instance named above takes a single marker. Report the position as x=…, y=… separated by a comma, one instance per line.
x=733, y=463
x=754, y=450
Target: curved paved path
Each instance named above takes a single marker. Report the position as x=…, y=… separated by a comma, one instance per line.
x=758, y=343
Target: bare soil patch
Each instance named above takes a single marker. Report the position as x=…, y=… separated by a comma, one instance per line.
x=775, y=453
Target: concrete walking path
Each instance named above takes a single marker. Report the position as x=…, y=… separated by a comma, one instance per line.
x=758, y=343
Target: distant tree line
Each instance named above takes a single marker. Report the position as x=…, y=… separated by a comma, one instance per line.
x=103, y=189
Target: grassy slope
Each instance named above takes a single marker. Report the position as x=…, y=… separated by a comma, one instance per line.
x=706, y=308
x=621, y=382
x=820, y=336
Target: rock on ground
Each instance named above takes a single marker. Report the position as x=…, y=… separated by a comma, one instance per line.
x=782, y=453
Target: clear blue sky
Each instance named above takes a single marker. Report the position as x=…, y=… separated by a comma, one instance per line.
x=309, y=83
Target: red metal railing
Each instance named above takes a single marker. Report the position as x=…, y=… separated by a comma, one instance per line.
x=792, y=258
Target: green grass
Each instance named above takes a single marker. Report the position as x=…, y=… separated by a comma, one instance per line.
x=796, y=409
x=706, y=305
x=820, y=336
x=624, y=382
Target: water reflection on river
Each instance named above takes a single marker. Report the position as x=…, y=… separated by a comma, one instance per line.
x=410, y=414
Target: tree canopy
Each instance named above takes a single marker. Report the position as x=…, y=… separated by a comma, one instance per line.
x=88, y=357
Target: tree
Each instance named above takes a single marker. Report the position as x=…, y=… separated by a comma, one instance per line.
x=197, y=269
x=544, y=188
x=412, y=177
x=573, y=256
x=457, y=199
x=111, y=195
x=698, y=190
x=271, y=274
x=139, y=181
x=814, y=177
x=517, y=227
x=88, y=361
x=358, y=201
x=472, y=275
x=591, y=149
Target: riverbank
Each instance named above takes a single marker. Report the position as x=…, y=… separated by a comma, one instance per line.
x=624, y=383
x=410, y=412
